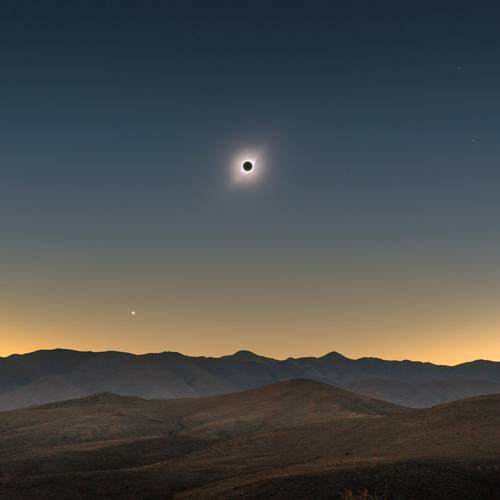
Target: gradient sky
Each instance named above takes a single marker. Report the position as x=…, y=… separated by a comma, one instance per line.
x=374, y=229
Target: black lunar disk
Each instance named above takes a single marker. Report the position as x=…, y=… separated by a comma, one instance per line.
x=247, y=166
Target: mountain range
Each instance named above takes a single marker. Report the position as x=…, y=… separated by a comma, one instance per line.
x=54, y=375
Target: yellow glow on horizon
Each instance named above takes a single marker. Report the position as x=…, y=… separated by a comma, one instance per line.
x=222, y=308
x=432, y=345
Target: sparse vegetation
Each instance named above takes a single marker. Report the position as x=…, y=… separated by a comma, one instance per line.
x=360, y=495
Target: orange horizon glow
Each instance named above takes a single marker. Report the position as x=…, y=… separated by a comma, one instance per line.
x=276, y=304
x=463, y=349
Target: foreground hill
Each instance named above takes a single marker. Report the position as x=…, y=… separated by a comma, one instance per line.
x=110, y=418
x=45, y=376
x=295, y=439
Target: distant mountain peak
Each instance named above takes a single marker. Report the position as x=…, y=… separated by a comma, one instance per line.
x=335, y=355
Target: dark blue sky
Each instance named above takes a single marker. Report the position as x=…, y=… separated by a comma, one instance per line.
x=376, y=221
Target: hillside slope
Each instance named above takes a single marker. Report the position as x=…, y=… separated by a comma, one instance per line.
x=290, y=439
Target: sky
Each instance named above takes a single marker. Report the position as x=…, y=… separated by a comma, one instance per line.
x=369, y=226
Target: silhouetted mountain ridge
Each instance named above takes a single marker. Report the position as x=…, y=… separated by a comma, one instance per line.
x=52, y=375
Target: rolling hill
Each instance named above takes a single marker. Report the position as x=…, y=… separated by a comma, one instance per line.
x=293, y=439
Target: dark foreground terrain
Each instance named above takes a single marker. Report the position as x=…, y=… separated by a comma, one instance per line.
x=294, y=439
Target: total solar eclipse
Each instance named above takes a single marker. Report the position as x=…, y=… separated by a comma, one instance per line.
x=247, y=166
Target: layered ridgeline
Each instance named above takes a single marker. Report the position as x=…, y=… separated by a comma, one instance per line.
x=54, y=375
